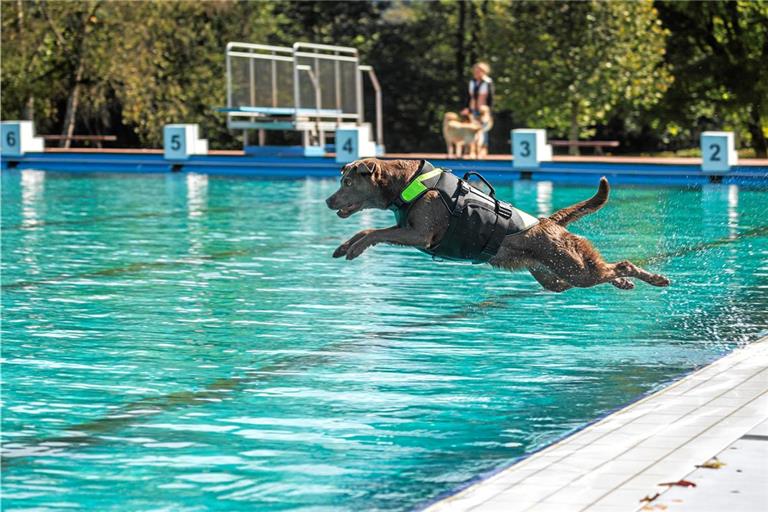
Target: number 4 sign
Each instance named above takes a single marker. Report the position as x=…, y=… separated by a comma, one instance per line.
x=348, y=145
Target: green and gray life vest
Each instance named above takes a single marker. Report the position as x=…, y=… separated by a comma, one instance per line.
x=479, y=222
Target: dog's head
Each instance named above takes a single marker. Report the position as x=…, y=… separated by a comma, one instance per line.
x=450, y=116
x=359, y=189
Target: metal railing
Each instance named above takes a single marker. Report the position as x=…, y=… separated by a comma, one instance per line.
x=316, y=55
x=250, y=51
x=333, y=72
x=379, y=108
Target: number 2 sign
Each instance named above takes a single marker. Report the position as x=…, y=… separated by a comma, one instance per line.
x=718, y=151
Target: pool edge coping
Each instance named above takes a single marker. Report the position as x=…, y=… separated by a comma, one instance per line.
x=455, y=492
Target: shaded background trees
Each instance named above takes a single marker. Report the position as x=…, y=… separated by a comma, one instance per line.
x=579, y=62
x=653, y=75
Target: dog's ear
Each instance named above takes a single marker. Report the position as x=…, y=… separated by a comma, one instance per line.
x=363, y=168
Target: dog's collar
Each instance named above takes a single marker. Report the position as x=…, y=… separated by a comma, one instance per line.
x=416, y=186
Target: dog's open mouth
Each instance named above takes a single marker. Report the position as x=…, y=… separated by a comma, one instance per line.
x=349, y=210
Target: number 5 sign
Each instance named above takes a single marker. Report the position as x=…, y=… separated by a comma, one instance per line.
x=718, y=151
x=182, y=140
x=529, y=147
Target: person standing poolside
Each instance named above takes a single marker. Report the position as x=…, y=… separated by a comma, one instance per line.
x=480, y=95
x=480, y=89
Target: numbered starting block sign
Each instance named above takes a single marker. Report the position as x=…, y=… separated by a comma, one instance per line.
x=718, y=151
x=180, y=141
x=529, y=148
x=353, y=143
x=18, y=137
x=347, y=145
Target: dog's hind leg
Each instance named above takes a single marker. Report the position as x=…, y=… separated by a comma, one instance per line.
x=577, y=262
x=549, y=280
x=591, y=273
x=622, y=283
x=628, y=269
x=578, y=210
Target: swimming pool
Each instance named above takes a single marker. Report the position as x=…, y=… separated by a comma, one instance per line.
x=187, y=342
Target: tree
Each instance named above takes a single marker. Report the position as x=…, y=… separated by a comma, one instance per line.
x=567, y=65
x=719, y=54
x=34, y=68
x=84, y=22
x=578, y=68
x=123, y=67
x=415, y=56
x=173, y=65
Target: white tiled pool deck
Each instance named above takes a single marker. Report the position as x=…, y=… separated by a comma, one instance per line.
x=719, y=411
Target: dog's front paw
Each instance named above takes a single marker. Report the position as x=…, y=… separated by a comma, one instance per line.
x=341, y=250
x=355, y=250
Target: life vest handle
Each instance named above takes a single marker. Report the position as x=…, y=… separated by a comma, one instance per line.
x=470, y=173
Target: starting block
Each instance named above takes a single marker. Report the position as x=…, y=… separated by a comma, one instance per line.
x=529, y=148
x=180, y=141
x=18, y=137
x=353, y=143
x=718, y=151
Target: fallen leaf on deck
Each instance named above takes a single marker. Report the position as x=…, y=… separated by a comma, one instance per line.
x=712, y=463
x=680, y=483
x=650, y=498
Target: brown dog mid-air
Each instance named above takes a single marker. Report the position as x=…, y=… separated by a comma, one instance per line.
x=445, y=216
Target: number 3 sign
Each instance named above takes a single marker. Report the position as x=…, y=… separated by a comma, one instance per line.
x=529, y=147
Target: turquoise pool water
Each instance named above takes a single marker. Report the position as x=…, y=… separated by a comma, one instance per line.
x=180, y=342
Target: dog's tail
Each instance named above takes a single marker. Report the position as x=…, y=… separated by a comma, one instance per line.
x=578, y=210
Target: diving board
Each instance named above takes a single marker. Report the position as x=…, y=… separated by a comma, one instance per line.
x=311, y=88
x=277, y=111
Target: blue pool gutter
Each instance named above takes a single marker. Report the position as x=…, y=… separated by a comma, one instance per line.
x=583, y=170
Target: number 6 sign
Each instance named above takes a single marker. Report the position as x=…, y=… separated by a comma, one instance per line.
x=18, y=137
x=718, y=151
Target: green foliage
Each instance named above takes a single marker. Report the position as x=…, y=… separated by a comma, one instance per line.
x=668, y=69
x=416, y=63
x=718, y=52
x=38, y=45
x=145, y=63
x=577, y=62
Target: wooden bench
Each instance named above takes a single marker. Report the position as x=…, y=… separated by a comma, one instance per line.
x=98, y=139
x=598, y=145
